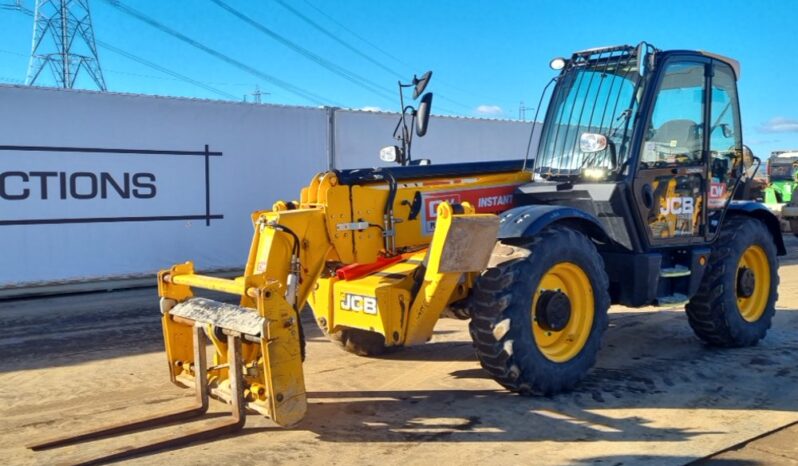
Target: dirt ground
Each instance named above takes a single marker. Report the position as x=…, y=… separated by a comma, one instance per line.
x=656, y=396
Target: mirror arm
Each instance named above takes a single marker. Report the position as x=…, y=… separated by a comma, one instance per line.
x=613, y=153
x=411, y=132
x=405, y=142
x=396, y=128
x=403, y=121
x=758, y=164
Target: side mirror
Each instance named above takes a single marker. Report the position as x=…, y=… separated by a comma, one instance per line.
x=641, y=58
x=748, y=158
x=391, y=154
x=421, y=84
x=424, y=109
x=726, y=130
x=750, y=164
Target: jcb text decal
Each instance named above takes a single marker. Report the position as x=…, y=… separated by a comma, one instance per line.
x=677, y=206
x=359, y=303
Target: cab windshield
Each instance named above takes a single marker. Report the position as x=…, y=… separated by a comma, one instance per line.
x=596, y=93
x=782, y=171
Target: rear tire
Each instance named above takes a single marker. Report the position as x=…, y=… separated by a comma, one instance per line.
x=526, y=353
x=720, y=314
x=359, y=342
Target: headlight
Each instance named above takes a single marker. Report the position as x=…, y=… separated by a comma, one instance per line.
x=592, y=142
x=557, y=63
x=595, y=173
x=389, y=154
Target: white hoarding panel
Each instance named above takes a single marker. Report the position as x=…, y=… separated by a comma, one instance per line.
x=101, y=185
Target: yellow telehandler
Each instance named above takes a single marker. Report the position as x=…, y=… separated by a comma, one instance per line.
x=628, y=201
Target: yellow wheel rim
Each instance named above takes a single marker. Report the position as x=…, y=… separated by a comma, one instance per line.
x=565, y=344
x=755, y=260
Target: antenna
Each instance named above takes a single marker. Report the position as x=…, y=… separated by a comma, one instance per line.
x=63, y=42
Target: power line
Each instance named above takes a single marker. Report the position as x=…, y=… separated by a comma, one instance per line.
x=175, y=74
x=353, y=33
x=296, y=90
x=354, y=49
x=11, y=80
x=334, y=37
x=10, y=52
x=16, y=5
x=333, y=67
x=175, y=79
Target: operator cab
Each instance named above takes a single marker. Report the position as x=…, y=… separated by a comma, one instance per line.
x=648, y=141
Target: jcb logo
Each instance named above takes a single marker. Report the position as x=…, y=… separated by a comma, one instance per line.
x=677, y=205
x=357, y=303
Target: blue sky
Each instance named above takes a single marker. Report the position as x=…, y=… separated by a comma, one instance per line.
x=487, y=57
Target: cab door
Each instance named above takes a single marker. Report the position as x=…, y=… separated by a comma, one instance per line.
x=671, y=181
x=725, y=144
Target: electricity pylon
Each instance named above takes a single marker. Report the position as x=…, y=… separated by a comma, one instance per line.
x=63, y=42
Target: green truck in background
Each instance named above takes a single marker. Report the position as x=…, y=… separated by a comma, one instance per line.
x=778, y=196
x=782, y=168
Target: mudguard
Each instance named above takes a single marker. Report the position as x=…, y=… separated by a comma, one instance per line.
x=529, y=220
x=760, y=212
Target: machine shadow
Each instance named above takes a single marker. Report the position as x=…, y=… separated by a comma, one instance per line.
x=468, y=416
x=664, y=459
x=650, y=361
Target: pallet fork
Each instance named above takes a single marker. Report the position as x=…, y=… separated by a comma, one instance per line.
x=209, y=430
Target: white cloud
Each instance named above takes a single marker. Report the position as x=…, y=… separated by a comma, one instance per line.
x=779, y=125
x=762, y=141
x=369, y=108
x=489, y=110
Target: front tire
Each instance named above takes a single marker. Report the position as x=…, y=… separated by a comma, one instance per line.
x=539, y=312
x=736, y=301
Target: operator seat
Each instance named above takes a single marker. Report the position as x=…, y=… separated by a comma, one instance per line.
x=684, y=132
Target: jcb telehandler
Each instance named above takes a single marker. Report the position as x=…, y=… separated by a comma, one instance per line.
x=628, y=201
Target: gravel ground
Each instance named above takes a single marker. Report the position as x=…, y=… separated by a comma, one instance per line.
x=656, y=396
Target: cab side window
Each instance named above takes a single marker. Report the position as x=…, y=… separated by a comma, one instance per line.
x=725, y=142
x=674, y=135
